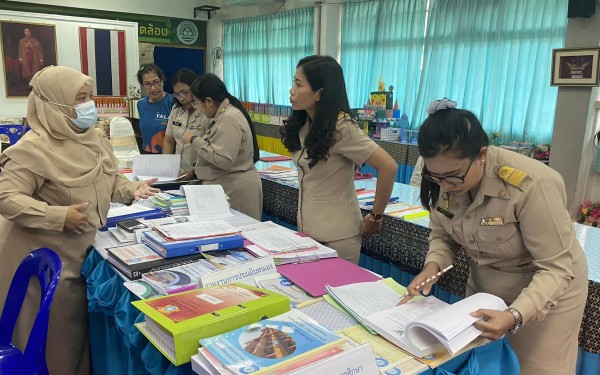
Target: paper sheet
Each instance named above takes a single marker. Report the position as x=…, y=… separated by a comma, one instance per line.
x=207, y=201
x=165, y=167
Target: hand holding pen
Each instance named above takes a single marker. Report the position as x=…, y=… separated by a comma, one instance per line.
x=430, y=280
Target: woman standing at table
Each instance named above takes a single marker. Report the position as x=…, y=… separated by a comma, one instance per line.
x=508, y=212
x=326, y=143
x=183, y=118
x=153, y=109
x=227, y=148
x=56, y=186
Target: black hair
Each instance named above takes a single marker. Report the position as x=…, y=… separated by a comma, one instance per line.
x=150, y=68
x=448, y=130
x=209, y=85
x=325, y=74
x=185, y=76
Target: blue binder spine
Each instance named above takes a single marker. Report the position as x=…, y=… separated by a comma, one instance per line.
x=168, y=249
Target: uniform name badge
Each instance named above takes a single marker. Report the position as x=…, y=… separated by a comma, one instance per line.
x=492, y=221
x=446, y=213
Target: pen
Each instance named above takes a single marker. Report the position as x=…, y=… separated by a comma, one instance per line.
x=429, y=279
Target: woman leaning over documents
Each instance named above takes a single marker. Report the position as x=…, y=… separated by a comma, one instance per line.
x=508, y=212
x=326, y=143
x=56, y=186
x=183, y=118
x=227, y=148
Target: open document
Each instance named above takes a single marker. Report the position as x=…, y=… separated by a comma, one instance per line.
x=207, y=201
x=164, y=167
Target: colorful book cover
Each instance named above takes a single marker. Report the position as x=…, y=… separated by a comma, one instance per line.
x=185, y=306
x=178, y=321
x=270, y=344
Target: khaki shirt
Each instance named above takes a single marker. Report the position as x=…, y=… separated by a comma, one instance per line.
x=225, y=146
x=180, y=121
x=327, y=206
x=519, y=230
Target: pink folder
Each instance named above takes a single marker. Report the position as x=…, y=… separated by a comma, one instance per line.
x=313, y=276
x=275, y=158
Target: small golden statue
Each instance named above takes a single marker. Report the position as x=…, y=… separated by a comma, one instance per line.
x=380, y=85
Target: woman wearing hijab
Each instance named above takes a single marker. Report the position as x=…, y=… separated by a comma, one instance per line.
x=56, y=186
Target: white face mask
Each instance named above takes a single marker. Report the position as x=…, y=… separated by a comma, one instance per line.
x=87, y=115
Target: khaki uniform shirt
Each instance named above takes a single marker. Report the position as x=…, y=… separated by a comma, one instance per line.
x=180, y=121
x=327, y=206
x=522, y=231
x=225, y=157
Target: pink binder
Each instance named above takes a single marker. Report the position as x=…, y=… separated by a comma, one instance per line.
x=313, y=276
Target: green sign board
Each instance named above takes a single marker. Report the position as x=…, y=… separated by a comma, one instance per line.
x=172, y=31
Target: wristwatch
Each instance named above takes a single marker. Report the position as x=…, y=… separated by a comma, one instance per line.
x=192, y=138
x=376, y=217
x=518, y=320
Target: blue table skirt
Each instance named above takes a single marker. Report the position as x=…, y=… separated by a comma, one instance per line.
x=119, y=348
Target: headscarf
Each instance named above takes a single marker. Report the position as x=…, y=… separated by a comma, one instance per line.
x=54, y=148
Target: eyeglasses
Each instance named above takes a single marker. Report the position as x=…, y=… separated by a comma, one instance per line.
x=453, y=180
x=181, y=94
x=148, y=85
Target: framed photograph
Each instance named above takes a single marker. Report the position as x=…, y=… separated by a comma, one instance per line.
x=26, y=49
x=575, y=67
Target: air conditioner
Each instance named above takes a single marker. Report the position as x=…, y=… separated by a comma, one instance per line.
x=247, y=3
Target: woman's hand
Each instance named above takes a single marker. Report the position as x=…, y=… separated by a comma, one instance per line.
x=185, y=137
x=430, y=269
x=370, y=227
x=494, y=323
x=145, y=190
x=76, y=220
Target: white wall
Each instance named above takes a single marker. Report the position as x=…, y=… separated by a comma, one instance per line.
x=165, y=8
x=575, y=121
x=67, y=47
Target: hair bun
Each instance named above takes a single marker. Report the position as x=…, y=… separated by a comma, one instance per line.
x=438, y=105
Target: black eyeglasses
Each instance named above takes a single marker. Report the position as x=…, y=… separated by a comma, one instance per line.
x=156, y=84
x=453, y=180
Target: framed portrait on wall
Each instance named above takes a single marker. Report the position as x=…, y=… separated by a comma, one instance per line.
x=575, y=67
x=26, y=49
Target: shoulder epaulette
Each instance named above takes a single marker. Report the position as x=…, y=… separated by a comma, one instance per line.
x=341, y=115
x=512, y=176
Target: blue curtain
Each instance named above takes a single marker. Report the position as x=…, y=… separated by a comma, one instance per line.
x=260, y=54
x=494, y=58
x=383, y=38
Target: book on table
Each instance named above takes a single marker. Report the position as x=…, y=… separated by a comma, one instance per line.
x=135, y=259
x=421, y=327
x=270, y=344
x=176, y=322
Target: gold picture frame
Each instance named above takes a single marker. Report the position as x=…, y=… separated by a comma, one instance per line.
x=26, y=48
x=575, y=67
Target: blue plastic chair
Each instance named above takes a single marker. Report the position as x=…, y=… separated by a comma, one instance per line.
x=46, y=266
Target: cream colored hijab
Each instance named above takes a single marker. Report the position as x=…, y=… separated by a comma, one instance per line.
x=54, y=148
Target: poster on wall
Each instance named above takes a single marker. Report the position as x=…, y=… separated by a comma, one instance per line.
x=26, y=49
x=103, y=58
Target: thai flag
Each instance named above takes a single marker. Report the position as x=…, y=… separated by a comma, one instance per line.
x=103, y=58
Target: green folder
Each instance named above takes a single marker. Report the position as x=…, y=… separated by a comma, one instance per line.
x=176, y=322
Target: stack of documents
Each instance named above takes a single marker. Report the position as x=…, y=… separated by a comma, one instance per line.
x=284, y=175
x=171, y=204
x=279, y=240
x=135, y=211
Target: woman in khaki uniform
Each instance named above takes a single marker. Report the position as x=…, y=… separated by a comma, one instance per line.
x=326, y=143
x=227, y=148
x=56, y=186
x=183, y=118
x=508, y=212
